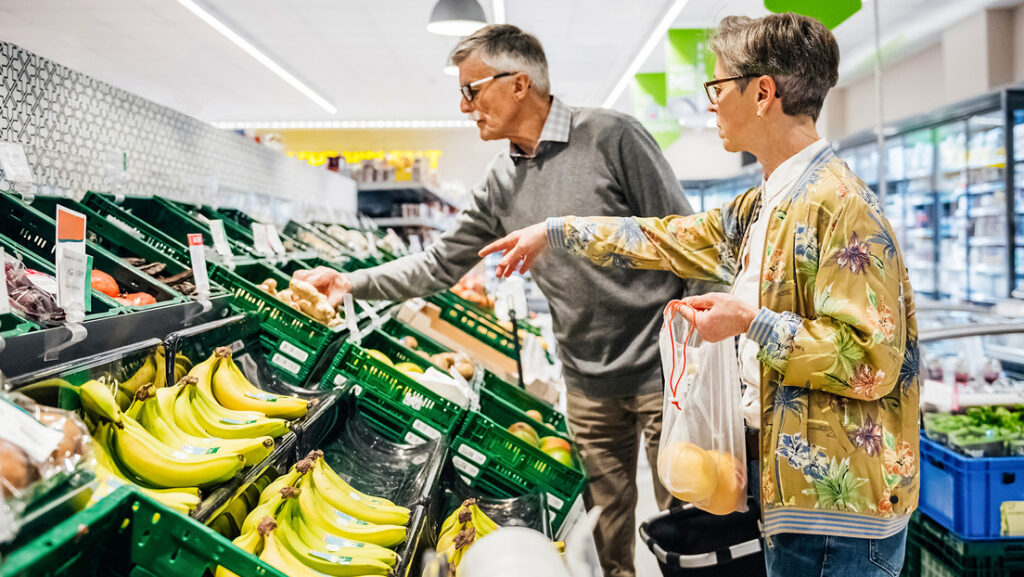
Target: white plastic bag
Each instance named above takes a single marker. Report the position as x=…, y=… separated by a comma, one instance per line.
x=702, y=453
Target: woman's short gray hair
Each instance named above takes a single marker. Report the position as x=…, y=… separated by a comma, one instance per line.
x=798, y=52
x=506, y=48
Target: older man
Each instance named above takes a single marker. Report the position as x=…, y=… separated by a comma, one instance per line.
x=562, y=160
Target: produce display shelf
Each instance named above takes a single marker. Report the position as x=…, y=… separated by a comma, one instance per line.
x=294, y=247
x=12, y=325
x=121, y=240
x=438, y=415
x=365, y=310
x=964, y=494
x=513, y=399
x=297, y=341
x=63, y=501
x=128, y=535
x=485, y=448
x=932, y=551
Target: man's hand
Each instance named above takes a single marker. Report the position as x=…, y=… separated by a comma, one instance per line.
x=522, y=246
x=328, y=281
x=721, y=315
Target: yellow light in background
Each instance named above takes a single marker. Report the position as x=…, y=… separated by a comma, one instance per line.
x=319, y=157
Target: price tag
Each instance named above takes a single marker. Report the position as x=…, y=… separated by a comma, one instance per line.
x=14, y=163
x=5, y=303
x=72, y=277
x=199, y=274
x=371, y=241
x=259, y=239
x=220, y=239
x=22, y=429
x=414, y=243
x=275, y=239
x=350, y=315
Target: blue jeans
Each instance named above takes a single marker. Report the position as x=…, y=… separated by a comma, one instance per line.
x=796, y=555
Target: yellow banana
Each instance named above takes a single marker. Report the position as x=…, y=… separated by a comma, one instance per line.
x=269, y=508
x=97, y=398
x=340, y=483
x=234, y=391
x=251, y=542
x=289, y=479
x=220, y=422
x=451, y=522
x=160, y=380
x=237, y=510
x=341, y=496
x=329, y=519
x=147, y=458
x=181, y=359
x=144, y=376
x=280, y=558
x=484, y=525
x=300, y=535
x=203, y=372
x=163, y=427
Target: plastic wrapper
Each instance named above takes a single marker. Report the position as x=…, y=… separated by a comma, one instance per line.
x=40, y=448
x=702, y=454
x=28, y=297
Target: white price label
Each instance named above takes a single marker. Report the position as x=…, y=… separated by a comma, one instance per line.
x=555, y=503
x=22, y=429
x=5, y=303
x=198, y=257
x=220, y=239
x=14, y=163
x=426, y=429
x=350, y=315
x=340, y=380
x=465, y=466
x=124, y=226
x=286, y=363
x=260, y=243
x=275, y=239
x=472, y=454
x=293, y=351
x=414, y=243
x=72, y=271
x=412, y=438
x=236, y=346
x=371, y=241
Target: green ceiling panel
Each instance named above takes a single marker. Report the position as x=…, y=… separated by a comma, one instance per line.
x=831, y=13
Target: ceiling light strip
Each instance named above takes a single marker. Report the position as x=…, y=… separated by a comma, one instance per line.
x=498, y=11
x=256, y=53
x=342, y=124
x=657, y=34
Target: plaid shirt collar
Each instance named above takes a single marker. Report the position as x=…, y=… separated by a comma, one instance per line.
x=556, y=129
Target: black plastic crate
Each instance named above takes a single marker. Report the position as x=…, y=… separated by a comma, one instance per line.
x=934, y=551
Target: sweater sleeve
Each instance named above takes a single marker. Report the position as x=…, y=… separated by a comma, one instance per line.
x=648, y=182
x=855, y=346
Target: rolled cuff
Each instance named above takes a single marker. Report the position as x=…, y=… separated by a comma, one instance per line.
x=763, y=325
x=556, y=232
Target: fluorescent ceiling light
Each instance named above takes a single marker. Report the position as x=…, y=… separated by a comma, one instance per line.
x=657, y=34
x=451, y=70
x=498, y=10
x=456, y=18
x=256, y=53
x=342, y=124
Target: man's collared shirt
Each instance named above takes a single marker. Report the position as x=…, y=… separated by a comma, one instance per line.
x=556, y=129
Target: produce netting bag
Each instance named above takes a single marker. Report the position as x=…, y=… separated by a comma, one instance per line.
x=702, y=453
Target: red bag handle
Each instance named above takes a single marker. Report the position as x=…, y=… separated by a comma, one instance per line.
x=674, y=307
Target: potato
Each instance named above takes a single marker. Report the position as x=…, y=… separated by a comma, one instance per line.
x=410, y=342
x=466, y=370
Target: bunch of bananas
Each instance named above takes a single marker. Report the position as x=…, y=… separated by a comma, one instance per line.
x=172, y=440
x=460, y=530
x=152, y=372
x=311, y=522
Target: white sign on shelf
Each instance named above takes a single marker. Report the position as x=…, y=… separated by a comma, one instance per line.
x=220, y=239
x=350, y=315
x=414, y=243
x=14, y=163
x=275, y=239
x=260, y=242
x=72, y=272
x=5, y=303
x=371, y=241
x=199, y=274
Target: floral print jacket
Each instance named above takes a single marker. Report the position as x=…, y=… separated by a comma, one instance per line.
x=838, y=335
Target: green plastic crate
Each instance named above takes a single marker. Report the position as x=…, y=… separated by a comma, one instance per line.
x=102, y=305
x=397, y=330
x=394, y=421
x=128, y=535
x=119, y=239
x=355, y=368
x=292, y=333
x=37, y=232
x=933, y=551
x=520, y=401
x=168, y=245
x=485, y=444
x=11, y=325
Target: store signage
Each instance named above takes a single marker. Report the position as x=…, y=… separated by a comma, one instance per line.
x=14, y=163
x=649, y=107
x=688, y=64
x=199, y=274
x=220, y=239
x=72, y=264
x=319, y=157
x=831, y=13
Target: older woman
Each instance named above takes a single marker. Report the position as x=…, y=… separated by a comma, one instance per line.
x=820, y=301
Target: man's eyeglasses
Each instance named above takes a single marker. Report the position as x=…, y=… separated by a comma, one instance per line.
x=713, y=91
x=468, y=91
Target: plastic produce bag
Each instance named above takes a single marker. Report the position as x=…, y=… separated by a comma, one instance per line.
x=32, y=293
x=702, y=453
x=40, y=447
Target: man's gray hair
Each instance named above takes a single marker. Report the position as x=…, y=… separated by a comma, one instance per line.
x=506, y=48
x=798, y=52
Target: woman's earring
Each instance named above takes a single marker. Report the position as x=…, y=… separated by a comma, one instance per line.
x=760, y=114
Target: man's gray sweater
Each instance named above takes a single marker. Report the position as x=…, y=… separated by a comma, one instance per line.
x=606, y=319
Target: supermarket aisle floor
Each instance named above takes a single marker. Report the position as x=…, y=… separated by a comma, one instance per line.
x=645, y=561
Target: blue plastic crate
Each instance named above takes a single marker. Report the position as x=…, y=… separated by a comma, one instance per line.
x=963, y=493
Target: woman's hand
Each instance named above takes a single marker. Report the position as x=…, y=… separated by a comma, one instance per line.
x=328, y=281
x=721, y=315
x=522, y=246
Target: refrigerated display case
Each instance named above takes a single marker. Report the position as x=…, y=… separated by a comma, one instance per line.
x=947, y=178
